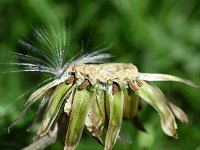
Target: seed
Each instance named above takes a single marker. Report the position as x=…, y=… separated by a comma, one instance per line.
x=114, y=88
x=70, y=80
x=83, y=85
x=139, y=83
x=132, y=86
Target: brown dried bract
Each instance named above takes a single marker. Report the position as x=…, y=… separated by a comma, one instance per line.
x=83, y=85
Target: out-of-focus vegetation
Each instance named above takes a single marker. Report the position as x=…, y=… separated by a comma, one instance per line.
x=156, y=36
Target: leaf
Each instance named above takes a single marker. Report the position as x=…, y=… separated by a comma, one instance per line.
x=165, y=77
x=44, y=101
x=156, y=98
x=41, y=108
x=40, y=92
x=95, y=118
x=54, y=106
x=81, y=103
x=100, y=98
x=68, y=103
x=115, y=103
x=131, y=100
x=34, y=97
x=179, y=113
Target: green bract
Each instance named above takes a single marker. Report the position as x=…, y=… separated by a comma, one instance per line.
x=99, y=97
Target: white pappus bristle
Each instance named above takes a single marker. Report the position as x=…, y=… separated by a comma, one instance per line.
x=52, y=47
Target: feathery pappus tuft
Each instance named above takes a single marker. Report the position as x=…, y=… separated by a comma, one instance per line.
x=52, y=47
x=87, y=92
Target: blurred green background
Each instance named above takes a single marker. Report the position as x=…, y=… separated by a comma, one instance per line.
x=156, y=36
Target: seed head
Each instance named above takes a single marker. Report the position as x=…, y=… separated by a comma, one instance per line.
x=95, y=96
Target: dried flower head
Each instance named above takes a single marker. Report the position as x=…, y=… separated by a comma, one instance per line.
x=97, y=96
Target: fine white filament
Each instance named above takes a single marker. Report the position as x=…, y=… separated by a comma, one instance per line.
x=52, y=47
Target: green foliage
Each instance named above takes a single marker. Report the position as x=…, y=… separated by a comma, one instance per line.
x=156, y=36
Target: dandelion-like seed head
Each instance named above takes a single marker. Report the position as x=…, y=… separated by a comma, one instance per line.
x=85, y=92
